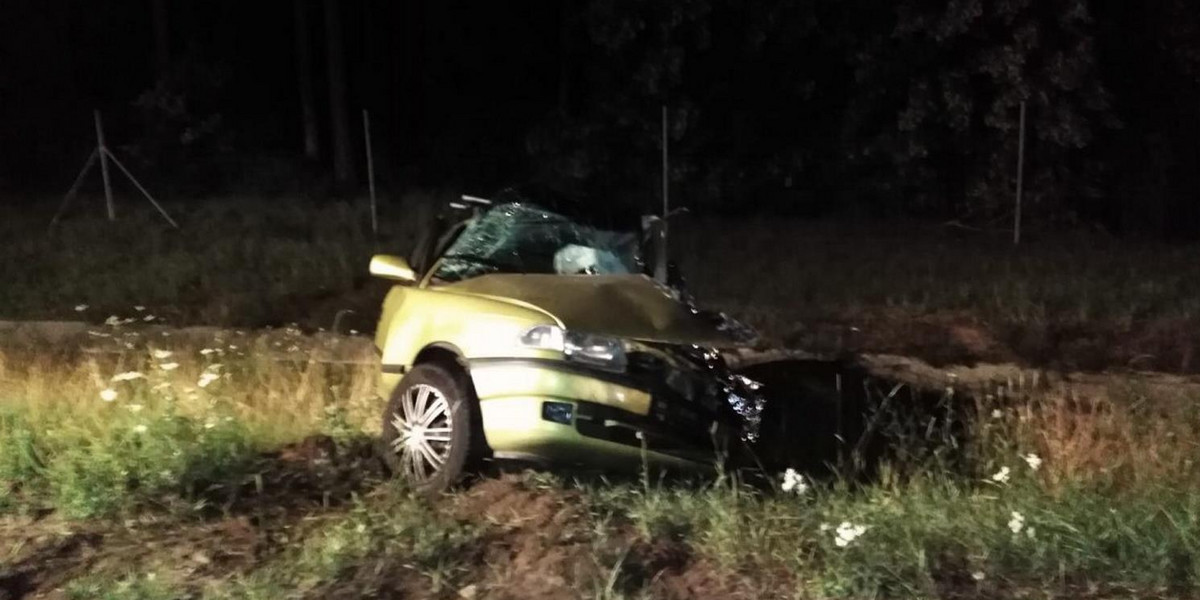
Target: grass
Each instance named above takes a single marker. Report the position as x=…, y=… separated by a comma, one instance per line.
x=1076, y=299
x=1110, y=506
x=106, y=433
x=1061, y=497
x=1047, y=492
x=393, y=531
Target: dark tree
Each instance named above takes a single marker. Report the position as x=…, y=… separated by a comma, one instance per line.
x=162, y=37
x=343, y=162
x=933, y=119
x=304, y=80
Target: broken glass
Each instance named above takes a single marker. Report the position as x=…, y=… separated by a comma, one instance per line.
x=525, y=238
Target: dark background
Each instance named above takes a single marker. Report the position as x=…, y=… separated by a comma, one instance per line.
x=853, y=107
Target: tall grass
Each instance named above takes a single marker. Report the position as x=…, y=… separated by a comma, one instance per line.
x=1059, y=496
x=1033, y=492
x=102, y=434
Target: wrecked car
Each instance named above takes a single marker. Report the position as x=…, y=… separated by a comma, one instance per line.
x=530, y=328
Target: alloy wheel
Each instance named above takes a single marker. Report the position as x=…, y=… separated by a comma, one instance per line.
x=423, y=427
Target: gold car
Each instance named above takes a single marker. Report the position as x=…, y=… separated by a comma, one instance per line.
x=532, y=331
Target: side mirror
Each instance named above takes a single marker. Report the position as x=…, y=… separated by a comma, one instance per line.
x=386, y=266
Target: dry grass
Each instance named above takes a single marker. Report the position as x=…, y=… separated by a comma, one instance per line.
x=1114, y=501
x=1107, y=442
x=98, y=433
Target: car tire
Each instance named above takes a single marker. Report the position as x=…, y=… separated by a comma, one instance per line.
x=431, y=428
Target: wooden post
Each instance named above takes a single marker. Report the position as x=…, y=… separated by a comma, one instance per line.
x=102, y=149
x=1020, y=178
x=162, y=211
x=370, y=172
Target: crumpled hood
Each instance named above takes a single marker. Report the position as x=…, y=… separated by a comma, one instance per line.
x=628, y=306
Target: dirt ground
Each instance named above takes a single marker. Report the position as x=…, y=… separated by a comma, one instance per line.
x=537, y=543
x=233, y=532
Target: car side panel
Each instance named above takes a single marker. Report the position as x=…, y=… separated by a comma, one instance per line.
x=416, y=318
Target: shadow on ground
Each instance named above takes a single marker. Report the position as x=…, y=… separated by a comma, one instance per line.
x=831, y=418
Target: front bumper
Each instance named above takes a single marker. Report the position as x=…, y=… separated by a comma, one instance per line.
x=616, y=422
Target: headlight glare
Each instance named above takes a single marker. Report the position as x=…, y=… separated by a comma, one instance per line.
x=596, y=350
x=543, y=337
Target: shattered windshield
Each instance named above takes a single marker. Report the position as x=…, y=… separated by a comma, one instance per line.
x=524, y=238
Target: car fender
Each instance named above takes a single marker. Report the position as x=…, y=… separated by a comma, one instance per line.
x=475, y=326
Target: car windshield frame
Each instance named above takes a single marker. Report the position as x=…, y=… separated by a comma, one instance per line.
x=525, y=238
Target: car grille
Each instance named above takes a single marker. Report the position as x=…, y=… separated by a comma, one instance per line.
x=686, y=390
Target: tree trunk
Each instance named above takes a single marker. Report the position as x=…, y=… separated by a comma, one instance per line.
x=162, y=37
x=564, y=57
x=343, y=165
x=308, y=108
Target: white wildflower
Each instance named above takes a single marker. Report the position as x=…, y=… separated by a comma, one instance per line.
x=1001, y=476
x=139, y=308
x=162, y=354
x=128, y=376
x=80, y=307
x=149, y=318
x=353, y=332
x=1029, y=532
x=847, y=532
x=210, y=424
x=207, y=351
x=113, y=321
x=1034, y=461
x=108, y=394
x=361, y=528
x=978, y=576
x=207, y=378
x=1017, y=522
x=171, y=366
x=823, y=527
x=135, y=408
x=139, y=428
x=996, y=414
x=794, y=482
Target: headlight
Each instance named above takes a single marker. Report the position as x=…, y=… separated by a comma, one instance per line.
x=595, y=350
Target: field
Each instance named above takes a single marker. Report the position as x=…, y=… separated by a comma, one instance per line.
x=143, y=465
x=1072, y=301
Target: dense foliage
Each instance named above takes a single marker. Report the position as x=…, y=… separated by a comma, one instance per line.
x=774, y=106
x=910, y=106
